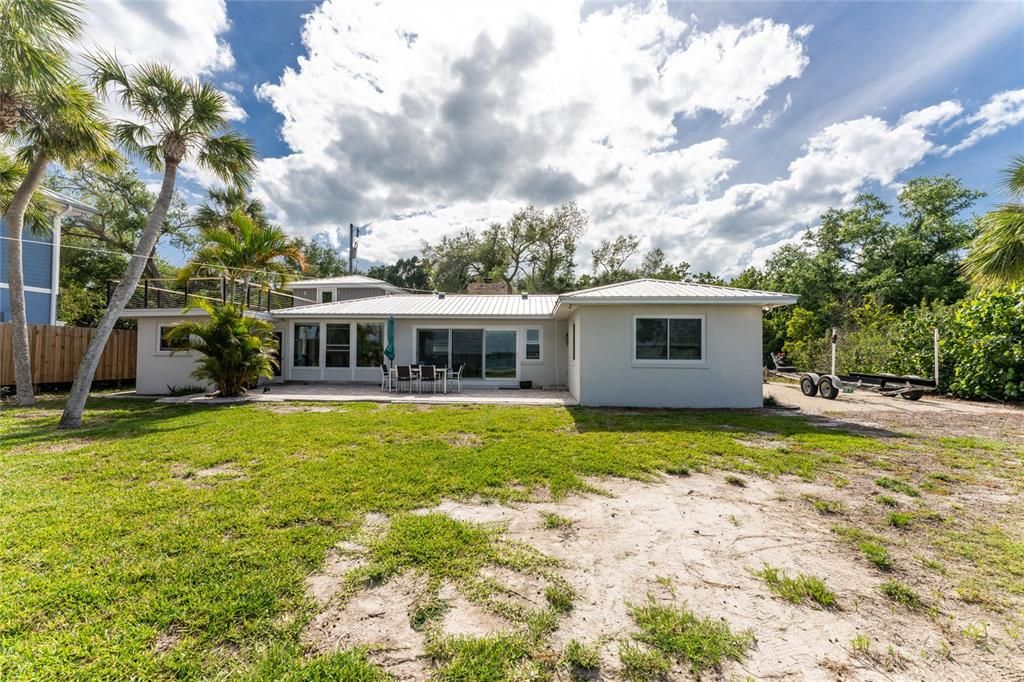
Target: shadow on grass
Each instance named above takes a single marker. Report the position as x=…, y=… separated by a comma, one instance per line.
x=597, y=419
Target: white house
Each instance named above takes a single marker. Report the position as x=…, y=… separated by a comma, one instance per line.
x=643, y=343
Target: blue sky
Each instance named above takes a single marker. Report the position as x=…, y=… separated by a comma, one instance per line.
x=716, y=131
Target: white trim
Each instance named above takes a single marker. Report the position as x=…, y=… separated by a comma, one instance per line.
x=34, y=290
x=702, y=363
x=539, y=360
x=55, y=261
x=159, y=339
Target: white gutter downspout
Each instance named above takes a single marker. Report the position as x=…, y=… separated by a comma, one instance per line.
x=55, y=262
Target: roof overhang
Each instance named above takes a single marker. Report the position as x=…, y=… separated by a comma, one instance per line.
x=72, y=207
x=764, y=302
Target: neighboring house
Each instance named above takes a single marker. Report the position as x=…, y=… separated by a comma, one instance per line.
x=643, y=343
x=343, y=288
x=40, y=254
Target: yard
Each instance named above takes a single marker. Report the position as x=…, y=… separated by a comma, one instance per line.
x=484, y=542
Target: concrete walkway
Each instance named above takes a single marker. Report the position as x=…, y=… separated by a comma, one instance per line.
x=372, y=393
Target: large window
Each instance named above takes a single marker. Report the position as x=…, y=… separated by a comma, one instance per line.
x=486, y=353
x=668, y=339
x=339, y=345
x=369, y=344
x=306, y=349
x=432, y=347
x=533, y=344
x=468, y=350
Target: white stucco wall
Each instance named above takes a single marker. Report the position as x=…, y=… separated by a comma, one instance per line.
x=157, y=370
x=546, y=372
x=572, y=328
x=729, y=376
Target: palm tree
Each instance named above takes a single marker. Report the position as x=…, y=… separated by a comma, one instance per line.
x=237, y=349
x=221, y=205
x=33, y=53
x=996, y=257
x=65, y=125
x=245, y=248
x=176, y=120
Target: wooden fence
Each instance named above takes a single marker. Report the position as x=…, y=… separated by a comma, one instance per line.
x=57, y=351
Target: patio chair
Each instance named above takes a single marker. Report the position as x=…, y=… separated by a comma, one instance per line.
x=404, y=374
x=457, y=377
x=385, y=377
x=428, y=373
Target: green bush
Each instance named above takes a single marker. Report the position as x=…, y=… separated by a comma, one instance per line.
x=986, y=343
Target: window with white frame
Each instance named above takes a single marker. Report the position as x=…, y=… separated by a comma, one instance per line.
x=164, y=342
x=306, y=347
x=326, y=296
x=338, y=346
x=533, y=345
x=369, y=344
x=668, y=338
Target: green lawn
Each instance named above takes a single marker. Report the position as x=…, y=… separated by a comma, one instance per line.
x=110, y=543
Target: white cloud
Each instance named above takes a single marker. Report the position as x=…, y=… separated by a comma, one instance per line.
x=423, y=119
x=1002, y=110
x=184, y=35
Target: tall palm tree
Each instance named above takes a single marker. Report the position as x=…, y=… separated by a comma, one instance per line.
x=33, y=53
x=66, y=125
x=222, y=203
x=996, y=257
x=177, y=120
x=246, y=249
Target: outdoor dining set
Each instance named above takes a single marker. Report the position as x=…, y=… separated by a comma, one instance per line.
x=415, y=377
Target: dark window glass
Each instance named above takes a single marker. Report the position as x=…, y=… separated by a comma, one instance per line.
x=468, y=350
x=338, y=345
x=573, y=340
x=533, y=344
x=684, y=339
x=651, y=339
x=500, y=349
x=369, y=344
x=326, y=296
x=432, y=347
x=306, y=351
x=167, y=344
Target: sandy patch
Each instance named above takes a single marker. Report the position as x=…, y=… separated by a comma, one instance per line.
x=166, y=640
x=462, y=439
x=207, y=477
x=293, y=409
x=57, y=447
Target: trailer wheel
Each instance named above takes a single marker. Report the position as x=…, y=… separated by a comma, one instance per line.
x=807, y=387
x=827, y=389
x=912, y=395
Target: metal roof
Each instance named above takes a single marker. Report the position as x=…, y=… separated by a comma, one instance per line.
x=67, y=201
x=343, y=281
x=430, y=305
x=664, y=291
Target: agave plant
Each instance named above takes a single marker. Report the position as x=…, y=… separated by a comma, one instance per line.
x=236, y=349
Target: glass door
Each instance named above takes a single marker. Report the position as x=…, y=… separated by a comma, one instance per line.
x=499, y=354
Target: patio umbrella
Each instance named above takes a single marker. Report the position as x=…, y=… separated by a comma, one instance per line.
x=389, y=350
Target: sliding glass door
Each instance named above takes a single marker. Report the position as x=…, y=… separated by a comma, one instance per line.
x=486, y=353
x=499, y=354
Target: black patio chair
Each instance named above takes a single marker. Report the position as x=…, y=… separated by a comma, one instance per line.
x=428, y=373
x=404, y=373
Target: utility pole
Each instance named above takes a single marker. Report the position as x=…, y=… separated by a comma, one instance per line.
x=353, y=235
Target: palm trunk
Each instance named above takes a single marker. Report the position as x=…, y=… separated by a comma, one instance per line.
x=72, y=417
x=15, y=219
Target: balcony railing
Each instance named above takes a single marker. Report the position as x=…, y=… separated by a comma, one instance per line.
x=172, y=293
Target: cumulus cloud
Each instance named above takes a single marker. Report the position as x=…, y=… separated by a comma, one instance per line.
x=422, y=118
x=1003, y=110
x=187, y=36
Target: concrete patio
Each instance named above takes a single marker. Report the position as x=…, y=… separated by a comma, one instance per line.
x=353, y=392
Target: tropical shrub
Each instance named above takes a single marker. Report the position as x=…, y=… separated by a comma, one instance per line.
x=986, y=340
x=237, y=349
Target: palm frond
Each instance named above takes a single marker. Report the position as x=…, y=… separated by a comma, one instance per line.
x=1013, y=177
x=996, y=257
x=231, y=156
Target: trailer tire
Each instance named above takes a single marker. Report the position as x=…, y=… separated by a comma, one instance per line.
x=827, y=389
x=912, y=395
x=808, y=385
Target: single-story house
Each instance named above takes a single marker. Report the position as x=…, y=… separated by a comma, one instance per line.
x=642, y=343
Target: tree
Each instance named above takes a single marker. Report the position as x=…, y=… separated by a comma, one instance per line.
x=997, y=254
x=123, y=204
x=408, y=273
x=655, y=265
x=246, y=249
x=453, y=261
x=66, y=125
x=176, y=120
x=223, y=202
x=237, y=349
x=609, y=258
x=322, y=260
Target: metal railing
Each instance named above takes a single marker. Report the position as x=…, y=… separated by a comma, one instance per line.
x=172, y=293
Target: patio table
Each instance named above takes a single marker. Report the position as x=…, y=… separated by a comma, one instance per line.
x=442, y=373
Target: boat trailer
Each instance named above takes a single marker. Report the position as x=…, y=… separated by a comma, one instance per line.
x=829, y=386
